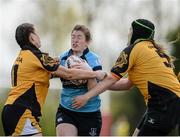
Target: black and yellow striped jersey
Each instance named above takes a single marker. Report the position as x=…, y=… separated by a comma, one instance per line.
x=147, y=69
x=30, y=78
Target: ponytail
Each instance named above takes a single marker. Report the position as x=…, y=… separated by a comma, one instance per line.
x=162, y=53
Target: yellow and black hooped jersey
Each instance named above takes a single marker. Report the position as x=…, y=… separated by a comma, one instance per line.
x=148, y=70
x=30, y=79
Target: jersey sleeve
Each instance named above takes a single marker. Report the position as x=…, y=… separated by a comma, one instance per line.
x=97, y=65
x=94, y=62
x=124, y=62
x=46, y=62
x=49, y=63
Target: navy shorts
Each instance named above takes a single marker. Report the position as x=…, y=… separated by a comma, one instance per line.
x=87, y=123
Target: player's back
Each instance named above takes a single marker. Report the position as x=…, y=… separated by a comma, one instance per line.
x=151, y=67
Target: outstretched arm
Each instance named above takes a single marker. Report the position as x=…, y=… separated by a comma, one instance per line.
x=80, y=101
x=122, y=84
x=75, y=74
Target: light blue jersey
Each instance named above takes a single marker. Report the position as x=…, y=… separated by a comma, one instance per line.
x=71, y=90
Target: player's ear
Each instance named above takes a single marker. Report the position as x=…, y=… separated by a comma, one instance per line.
x=31, y=39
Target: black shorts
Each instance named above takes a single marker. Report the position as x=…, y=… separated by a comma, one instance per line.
x=18, y=120
x=159, y=121
x=87, y=123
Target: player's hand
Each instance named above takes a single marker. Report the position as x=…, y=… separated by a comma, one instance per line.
x=79, y=101
x=82, y=65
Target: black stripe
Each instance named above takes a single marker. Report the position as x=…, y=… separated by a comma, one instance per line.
x=97, y=68
x=64, y=58
x=85, y=51
x=31, y=134
x=15, y=74
x=75, y=86
x=29, y=100
x=10, y=118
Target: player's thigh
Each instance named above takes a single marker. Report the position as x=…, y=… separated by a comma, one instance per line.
x=65, y=124
x=66, y=129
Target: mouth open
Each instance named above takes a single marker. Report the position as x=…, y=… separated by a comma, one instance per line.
x=75, y=45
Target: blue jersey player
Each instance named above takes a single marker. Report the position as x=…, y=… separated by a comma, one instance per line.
x=87, y=120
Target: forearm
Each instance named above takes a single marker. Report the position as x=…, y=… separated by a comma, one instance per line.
x=74, y=74
x=81, y=74
x=122, y=84
x=101, y=87
x=92, y=83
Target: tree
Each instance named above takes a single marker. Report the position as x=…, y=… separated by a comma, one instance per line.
x=56, y=22
x=174, y=36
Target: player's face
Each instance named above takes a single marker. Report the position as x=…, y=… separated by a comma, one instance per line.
x=78, y=41
x=35, y=39
x=129, y=35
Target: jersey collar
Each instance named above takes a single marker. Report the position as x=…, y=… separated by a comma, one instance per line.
x=83, y=55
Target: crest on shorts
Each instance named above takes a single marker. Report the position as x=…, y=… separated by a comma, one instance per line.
x=47, y=60
x=93, y=132
x=122, y=60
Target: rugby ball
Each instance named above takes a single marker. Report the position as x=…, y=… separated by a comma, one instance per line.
x=70, y=62
x=73, y=60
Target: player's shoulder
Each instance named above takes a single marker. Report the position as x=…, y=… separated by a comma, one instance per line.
x=28, y=55
x=93, y=60
x=137, y=47
x=127, y=50
x=92, y=55
x=25, y=53
x=143, y=45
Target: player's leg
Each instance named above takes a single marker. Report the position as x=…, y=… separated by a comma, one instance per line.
x=65, y=129
x=136, y=131
x=65, y=125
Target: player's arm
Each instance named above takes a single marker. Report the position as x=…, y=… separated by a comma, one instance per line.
x=122, y=84
x=121, y=67
x=96, y=66
x=75, y=74
x=85, y=66
x=92, y=83
x=80, y=101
